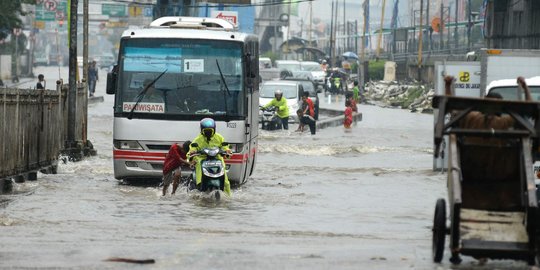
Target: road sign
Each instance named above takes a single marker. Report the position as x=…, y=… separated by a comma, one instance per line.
x=50, y=5
x=148, y=12
x=60, y=15
x=230, y=16
x=116, y=10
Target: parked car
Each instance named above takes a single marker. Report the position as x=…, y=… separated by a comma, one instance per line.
x=319, y=75
x=290, y=65
x=105, y=60
x=265, y=63
x=292, y=91
x=41, y=59
x=268, y=74
x=509, y=89
x=60, y=58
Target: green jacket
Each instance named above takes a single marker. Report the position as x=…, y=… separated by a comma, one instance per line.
x=281, y=105
x=355, y=91
x=215, y=141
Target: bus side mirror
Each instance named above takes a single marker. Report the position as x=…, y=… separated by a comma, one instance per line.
x=111, y=80
x=252, y=66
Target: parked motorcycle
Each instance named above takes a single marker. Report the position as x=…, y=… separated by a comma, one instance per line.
x=269, y=119
x=213, y=171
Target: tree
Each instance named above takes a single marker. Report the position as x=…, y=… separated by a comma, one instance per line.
x=10, y=12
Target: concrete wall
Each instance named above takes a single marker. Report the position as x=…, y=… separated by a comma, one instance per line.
x=5, y=67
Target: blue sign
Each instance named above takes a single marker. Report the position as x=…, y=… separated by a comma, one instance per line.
x=148, y=11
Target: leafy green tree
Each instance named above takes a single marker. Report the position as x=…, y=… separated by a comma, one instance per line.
x=10, y=12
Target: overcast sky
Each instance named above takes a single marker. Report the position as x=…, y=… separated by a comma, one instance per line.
x=322, y=9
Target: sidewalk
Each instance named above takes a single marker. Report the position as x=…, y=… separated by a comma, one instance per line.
x=24, y=82
x=332, y=102
x=335, y=106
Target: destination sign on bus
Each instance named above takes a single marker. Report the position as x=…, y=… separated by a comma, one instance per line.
x=144, y=107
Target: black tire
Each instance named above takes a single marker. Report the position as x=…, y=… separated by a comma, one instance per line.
x=439, y=230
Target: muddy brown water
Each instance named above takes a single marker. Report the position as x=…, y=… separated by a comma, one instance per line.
x=359, y=199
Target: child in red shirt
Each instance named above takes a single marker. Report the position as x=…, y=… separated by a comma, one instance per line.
x=172, y=167
x=348, y=115
x=349, y=96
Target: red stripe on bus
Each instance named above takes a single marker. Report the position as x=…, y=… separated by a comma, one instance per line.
x=138, y=158
x=139, y=153
x=153, y=156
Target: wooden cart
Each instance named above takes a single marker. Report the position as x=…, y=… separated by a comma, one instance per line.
x=491, y=190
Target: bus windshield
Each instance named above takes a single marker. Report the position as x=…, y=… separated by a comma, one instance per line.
x=190, y=81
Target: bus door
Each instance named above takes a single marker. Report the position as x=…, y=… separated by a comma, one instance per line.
x=252, y=103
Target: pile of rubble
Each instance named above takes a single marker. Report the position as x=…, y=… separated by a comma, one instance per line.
x=405, y=95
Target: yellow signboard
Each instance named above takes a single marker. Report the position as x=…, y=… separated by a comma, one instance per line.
x=464, y=76
x=39, y=24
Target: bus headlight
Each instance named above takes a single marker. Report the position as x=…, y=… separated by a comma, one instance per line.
x=128, y=145
x=236, y=147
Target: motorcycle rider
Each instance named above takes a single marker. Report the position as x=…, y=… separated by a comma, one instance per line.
x=280, y=103
x=206, y=139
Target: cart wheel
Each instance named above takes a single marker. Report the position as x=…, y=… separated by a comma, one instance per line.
x=439, y=230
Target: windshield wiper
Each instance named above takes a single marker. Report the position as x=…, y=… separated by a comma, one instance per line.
x=221, y=87
x=141, y=95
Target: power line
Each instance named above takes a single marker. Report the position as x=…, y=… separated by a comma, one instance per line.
x=221, y=5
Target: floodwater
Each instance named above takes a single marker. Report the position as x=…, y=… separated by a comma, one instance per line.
x=359, y=199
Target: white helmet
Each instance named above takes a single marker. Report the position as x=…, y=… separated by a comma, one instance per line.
x=278, y=92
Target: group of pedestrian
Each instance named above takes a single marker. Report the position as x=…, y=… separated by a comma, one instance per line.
x=306, y=112
x=92, y=79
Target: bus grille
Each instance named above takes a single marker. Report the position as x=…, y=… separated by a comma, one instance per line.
x=158, y=147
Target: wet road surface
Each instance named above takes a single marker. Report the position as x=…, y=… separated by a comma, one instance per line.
x=362, y=199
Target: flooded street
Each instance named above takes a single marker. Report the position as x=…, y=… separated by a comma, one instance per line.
x=337, y=200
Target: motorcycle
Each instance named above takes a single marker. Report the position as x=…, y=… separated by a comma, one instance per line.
x=213, y=172
x=269, y=118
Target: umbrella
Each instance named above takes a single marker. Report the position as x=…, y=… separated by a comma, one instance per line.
x=350, y=55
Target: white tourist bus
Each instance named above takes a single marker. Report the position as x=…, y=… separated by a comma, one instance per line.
x=197, y=68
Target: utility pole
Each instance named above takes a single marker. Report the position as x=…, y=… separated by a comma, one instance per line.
x=441, y=28
x=85, y=66
x=420, y=40
x=85, y=41
x=456, y=40
x=363, y=55
x=469, y=26
x=381, y=29
x=428, y=26
x=71, y=144
x=448, y=28
x=310, y=23
x=356, y=36
x=288, y=30
x=335, y=31
x=345, y=27
x=331, y=36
